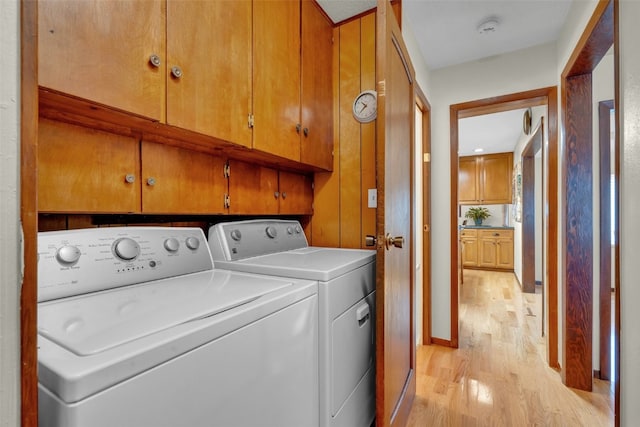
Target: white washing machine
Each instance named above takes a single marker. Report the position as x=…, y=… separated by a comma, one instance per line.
x=136, y=328
x=346, y=289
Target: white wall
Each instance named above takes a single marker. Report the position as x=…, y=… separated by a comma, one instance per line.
x=629, y=34
x=523, y=70
x=9, y=216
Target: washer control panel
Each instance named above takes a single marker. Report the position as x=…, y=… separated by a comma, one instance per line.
x=232, y=241
x=75, y=262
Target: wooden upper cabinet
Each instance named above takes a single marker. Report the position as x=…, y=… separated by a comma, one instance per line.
x=276, y=77
x=296, y=194
x=100, y=51
x=210, y=42
x=468, y=191
x=175, y=180
x=252, y=189
x=485, y=179
x=317, y=88
x=81, y=170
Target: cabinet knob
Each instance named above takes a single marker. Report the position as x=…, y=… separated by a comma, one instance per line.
x=176, y=72
x=129, y=178
x=305, y=131
x=154, y=60
x=276, y=194
x=298, y=127
x=496, y=234
x=151, y=181
x=284, y=194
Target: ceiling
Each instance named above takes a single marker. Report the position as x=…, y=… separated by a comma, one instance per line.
x=446, y=32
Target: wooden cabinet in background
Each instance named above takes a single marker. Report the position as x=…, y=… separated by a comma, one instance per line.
x=486, y=179
x=490, y=248
x=86, y=171
x=260, y=190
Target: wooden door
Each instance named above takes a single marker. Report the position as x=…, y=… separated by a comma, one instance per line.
x=84, y=170
x=211, y=43
x=468, y=191
x=296, y=194
x=487, y=252
x=175, y=181
x=504, y=255
x=100, y=50
x=276, y=77
x=316, y=146
x=395, y=339
x=469, y=251
x=496, y=178
x=253, y=189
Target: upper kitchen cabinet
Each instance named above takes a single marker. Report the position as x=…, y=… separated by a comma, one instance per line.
x=485, y=179
x=107, y=52
x=209, y=60
x=317, y=88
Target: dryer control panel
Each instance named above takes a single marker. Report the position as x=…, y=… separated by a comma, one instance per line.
x=75, y=262
x=232, y=241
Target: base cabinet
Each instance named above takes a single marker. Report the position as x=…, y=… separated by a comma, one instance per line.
x=487, y=248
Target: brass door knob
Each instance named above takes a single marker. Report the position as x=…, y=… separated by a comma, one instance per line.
x=397, y=241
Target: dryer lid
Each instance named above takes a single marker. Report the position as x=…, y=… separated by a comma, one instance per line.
x=92, y=323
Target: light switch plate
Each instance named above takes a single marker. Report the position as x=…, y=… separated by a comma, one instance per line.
x=372, y=198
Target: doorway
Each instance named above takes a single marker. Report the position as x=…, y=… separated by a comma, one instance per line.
x=545, y=96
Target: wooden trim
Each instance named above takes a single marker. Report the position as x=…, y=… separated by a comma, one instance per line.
x=616, y=201
x=28, y=211
x=441, y=342
x=604, y=127
x=425, y=107
x=530, y=98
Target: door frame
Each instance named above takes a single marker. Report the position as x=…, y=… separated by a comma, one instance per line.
x=544, y=96
x=423, y=105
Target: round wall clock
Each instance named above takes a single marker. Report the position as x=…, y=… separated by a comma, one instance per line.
x=526, y=121
x=365, y=106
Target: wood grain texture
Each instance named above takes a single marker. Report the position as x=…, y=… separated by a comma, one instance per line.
x=28, y=213
x=252, y=189
x=499, y=376
x=468, y=185
x=83, y=170
x=186, y=182
x=550, y=156
x=316, y=145
x=495, y=178
x=214, y=95
x=276, y=77
x=529, y=254
x=100, y=51
x=606, y=285
x=577, y=239
x=296, y=193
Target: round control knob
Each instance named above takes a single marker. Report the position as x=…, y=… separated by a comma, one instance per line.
x=236, y=235
x=298, y=229
x=172, y=244
x=289, y=230
x=126, y=249
x=68, y=255
x=193, y=243
x=271, y=232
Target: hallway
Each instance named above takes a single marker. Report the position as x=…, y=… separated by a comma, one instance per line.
x=498, y=376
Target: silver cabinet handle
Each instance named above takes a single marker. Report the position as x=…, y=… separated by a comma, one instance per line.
x=151, y=181
x=284, y=194
x=176, y=71
x=305, y=131
x=276, y=194
x=154, y=60
x=129, y=178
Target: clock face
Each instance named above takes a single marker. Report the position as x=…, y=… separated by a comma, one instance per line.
x=365, y=106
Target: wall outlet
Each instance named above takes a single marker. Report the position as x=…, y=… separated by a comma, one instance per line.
x=372, y=198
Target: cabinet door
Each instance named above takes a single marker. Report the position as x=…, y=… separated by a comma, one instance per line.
x=487, y=253
x=468, y=185
x=211, y=43
x=296, y=194
x=276, y=77
x=469, y=252
x=504, y=256
x=316, y=146
x=496, y=176
x=181, y=181
x=253, y=189
x=99, y=50
x=83, y=170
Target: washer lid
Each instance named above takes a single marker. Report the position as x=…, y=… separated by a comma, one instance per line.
x=92, y=323
x=311, y=263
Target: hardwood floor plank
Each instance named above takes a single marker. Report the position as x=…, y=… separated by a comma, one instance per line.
x=499, y=376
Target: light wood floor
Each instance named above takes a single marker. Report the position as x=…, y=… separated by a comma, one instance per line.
x=498, y=376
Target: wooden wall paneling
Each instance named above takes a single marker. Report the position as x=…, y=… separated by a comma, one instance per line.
x=578, y=225
x=252, y=189
x=368, y=131
x=325, y=223
x=350, y=174
x=84, y=170
x=28, y=215
x=604, y=127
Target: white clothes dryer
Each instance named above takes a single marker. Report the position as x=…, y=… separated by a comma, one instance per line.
x=346, y=289
x=136, y=328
